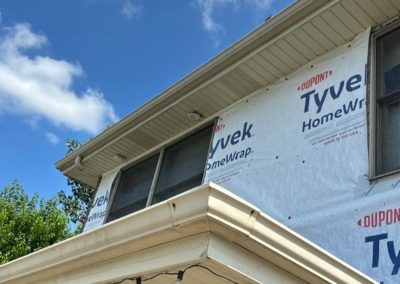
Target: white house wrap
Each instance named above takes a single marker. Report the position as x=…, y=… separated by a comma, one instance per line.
x=299, y=151
x=97, y=214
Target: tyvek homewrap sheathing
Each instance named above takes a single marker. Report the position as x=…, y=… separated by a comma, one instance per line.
x=98, y=210
x=299, y=151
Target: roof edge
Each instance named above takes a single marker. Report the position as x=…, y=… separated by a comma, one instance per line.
x=202, y=74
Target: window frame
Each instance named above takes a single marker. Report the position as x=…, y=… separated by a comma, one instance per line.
x=115, y=186
x=373, y=98
x=160, y=149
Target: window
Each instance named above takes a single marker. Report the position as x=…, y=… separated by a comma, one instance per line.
x=133, y=189
x=388, y=102
x=183, y=166
x=173, y=170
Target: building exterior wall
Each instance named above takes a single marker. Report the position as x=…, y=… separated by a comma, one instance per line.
x=298, y=150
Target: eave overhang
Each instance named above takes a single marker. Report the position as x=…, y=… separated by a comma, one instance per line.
x=281, y=45
x=206, y=225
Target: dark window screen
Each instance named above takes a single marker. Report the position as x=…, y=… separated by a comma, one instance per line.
x=183, y=165
x=133, y=188
x=388, y=102
x=389, y=48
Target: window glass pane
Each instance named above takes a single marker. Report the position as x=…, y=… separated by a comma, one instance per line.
x=390, y=138
x=390, y=51
x=133, y=188
x=183, y=165
x=388, y=102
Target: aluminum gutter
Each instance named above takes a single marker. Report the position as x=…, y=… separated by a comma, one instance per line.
x=206, y=212
x=254, y=40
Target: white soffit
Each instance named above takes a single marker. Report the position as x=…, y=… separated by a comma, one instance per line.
x=281, y=45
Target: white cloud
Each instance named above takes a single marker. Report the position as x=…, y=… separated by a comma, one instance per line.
x=53, y=139
x=127, y=8
x=261, y=4
x=33, y=121
x=130, y=10
x=38, y=86
x=208, y=7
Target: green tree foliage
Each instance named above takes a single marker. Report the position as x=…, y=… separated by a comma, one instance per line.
x=28, y=224
x=77, y=204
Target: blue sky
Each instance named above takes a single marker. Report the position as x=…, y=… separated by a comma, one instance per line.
x=68, y=68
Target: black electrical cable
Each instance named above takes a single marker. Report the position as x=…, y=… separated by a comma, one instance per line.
x=161, y=273
x=138, y=280
x=212, y=272
x=177, y=273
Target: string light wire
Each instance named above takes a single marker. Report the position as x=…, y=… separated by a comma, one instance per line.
x=159, y=274
x=212, y=272
x=181, y=273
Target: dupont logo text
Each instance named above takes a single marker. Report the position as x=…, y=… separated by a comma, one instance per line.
x=315, y=80
x=380, y=218
x=219, y=127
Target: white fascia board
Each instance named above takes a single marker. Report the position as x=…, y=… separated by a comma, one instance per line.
x=244, y=263
x=168, y=256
